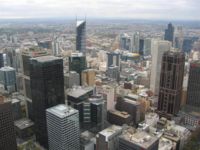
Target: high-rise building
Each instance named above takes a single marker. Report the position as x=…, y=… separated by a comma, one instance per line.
x=169, y=33
x=71, y=79
x=171, y=82
x=8, y=78
x=141, y=47
x=47, y=89
x=88, y=77
x=113, y=59
x=158, y=48
x=147, y=46
x=113, y=72
x=7, y=132
x=24, y=78
x=136, y=42
x=77, y=62
x=81, y=36
x=125, y=42
x=1, y=60
x=63, y=128
x=193, y=92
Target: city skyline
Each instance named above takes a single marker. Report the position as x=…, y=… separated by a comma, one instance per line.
x=126, y=9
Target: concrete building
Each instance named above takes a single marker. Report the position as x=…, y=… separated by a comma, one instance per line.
x=71, y=79
x=135, y=140
x=108, y=138
x=113, y=59
x=171, y=83
x=119, y=117
x=7, y=132
x=63, y=128
x=24, y=128
x=113, y=72
x=158, y=49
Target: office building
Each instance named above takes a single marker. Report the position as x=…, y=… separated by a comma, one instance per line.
x=136, y=140
x=1, y=60
x=141, y=47
x=119, y=117
x=136, y=42
x=193, y=91
x=63, y=128
x=24, y=78
x=81, y=36
x=108, y=138
x=7, y=132
x=71, y=79
x=125, y=42
x=147, y=46
x=158, y=48
x=169, y=33
x=88, y=77
x=171, y=82
x=77, y=62
x=8, y=78
x=114, y=73
x=113, y=59
x=24, y=128
x=47, y=89
x=132, y=107
x=16, y=109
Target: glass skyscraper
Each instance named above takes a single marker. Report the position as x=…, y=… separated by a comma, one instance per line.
x=81, y=36
x=47, y=89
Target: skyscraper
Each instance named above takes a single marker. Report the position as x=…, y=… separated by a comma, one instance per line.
x=88, y=77
x=7, y=133
x=171, y=80
x=113, y=59
x=47, y=89
x=193, y=92
x=81, y=36
x=1, y=60
x=158, y=48
x=169, y=33
x=63, y=128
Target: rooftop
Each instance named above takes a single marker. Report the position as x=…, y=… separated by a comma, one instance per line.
x=140, y=138
x=122, y=114
x=78, y=23
x=110, y=131
x=23, y=123
x=62, y=110
x=46, y=58
x=7, y=68
x=79, y=91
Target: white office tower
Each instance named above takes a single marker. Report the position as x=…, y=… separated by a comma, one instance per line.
x=63, y=128
x=158, y=49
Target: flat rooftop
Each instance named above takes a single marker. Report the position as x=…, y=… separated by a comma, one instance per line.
x=110, y=131
x=122, y=114
x=23, y=123
x=46, y=58
x=62, y=110
x=79, y=91
x=139, y=138
x=7, y=68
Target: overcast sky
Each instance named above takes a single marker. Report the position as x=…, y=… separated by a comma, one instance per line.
x=136, y=9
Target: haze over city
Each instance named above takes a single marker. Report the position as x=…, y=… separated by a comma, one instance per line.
x=132, y=9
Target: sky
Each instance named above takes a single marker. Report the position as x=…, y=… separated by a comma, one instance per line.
x=123, y=9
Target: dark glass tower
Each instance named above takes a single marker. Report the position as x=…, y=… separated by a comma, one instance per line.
x=171, y=80
x=193, y=92
x=169, y=33
x=113, y=59
x=47, y=89
x=7, y=132
x=81, y=36
x=1, y=60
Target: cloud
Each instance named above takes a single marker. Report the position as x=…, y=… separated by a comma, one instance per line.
x=139, y=9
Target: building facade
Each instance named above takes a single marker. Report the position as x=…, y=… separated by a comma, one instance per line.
x=63, y=128
x=171, y=81
x=81, y=36
x=47, y=89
